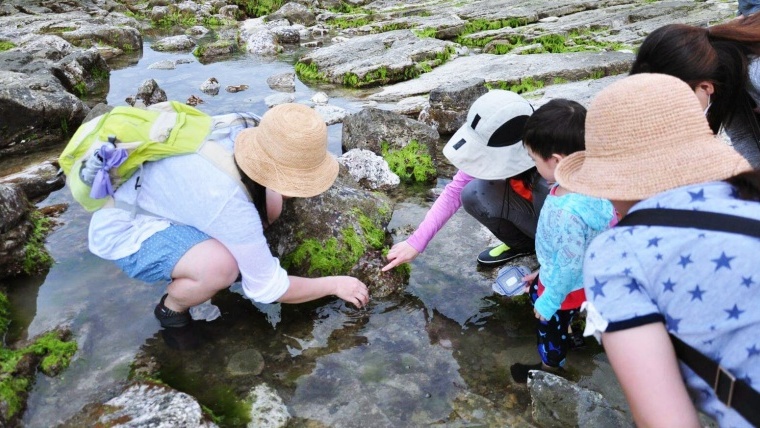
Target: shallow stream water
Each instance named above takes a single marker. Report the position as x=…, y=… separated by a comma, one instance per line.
x=400, y=362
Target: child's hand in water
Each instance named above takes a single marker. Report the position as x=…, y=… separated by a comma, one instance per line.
x=400, y=253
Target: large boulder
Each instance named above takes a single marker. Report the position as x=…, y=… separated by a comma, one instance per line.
x=295, y=13
x=37, y=112
x=22, y=235
x=329, y=233
x=371, y=127
x=450, y=103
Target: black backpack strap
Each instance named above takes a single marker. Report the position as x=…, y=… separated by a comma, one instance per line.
x=704, y=220
x=734, y=393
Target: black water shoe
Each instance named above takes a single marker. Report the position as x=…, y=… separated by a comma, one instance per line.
x=169, y=318
x=501, y=254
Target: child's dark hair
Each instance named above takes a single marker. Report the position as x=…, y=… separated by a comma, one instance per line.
x=556, y=127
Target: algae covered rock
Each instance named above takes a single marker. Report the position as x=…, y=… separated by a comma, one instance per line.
x=329, y=233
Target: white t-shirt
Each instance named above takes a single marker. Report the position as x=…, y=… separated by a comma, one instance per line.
x=191, y=190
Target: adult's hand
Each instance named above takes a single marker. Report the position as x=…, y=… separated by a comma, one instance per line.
x=351, y=290
x=400, y=253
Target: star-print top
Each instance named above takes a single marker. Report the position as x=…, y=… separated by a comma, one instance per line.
x=566, y=226
x=703, y=285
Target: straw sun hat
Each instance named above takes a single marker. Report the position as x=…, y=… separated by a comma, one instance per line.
x=646, y=134
x=287, y=152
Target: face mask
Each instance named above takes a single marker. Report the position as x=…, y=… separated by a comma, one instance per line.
x=709, y=103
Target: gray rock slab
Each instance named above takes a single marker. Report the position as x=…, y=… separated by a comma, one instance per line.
x=165, y=64
x=582, y=92
x=285, y=82
x=411, y=105
x=156, y=406
x=369, y=169
x=38, y=180
x=511, y=68
x=558, y=402
x=267, y=408
x=392, y=53
x=174, y=43
x=331, y=114
x=279, y=98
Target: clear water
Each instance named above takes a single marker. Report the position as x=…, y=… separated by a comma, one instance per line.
x=400, y=362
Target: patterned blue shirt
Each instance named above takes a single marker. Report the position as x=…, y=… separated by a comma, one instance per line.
x=566, y=226
x=703, y=285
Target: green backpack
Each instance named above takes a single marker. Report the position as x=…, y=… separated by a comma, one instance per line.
x=165, y=129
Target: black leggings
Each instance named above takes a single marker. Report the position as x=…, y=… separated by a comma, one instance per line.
x=509, y=216
x=552, y=338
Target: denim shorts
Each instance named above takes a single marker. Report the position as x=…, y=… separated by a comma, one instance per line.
x=157, y=256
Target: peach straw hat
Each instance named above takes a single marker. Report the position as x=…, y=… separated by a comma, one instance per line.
x=646, y=134
x=287, y=152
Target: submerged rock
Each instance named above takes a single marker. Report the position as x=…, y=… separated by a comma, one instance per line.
x=267, y=408
x=285, y=82
x=246, y=362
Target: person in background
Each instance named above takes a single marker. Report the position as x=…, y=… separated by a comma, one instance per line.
x=497, y=182
x=566, y=225
x=196, y=227
x=721, y=65
x=655, y=290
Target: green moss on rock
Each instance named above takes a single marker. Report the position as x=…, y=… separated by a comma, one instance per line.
x=37, y=258
x=411, y=163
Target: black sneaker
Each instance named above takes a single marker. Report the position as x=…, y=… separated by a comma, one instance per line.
x=500, y=254
x=169, y=318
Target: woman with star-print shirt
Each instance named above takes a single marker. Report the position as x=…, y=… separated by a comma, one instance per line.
x=649, y=146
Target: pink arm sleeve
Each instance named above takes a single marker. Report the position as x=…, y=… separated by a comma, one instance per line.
x=441, y=211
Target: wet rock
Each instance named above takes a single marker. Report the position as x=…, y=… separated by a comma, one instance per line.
x=331, y=114
x=285, y=82
x=246, y=362
x=378, y=58
x=145, y=404
x=197, y=30
x=174, y=43
x=236, y=88
x=37, y=112
x=98, y=110
x=449, y=104
x=369, y=128
x=14, y=229
x=215, y=50
x=326, y=234
x=477, y=410
x=320, y=98
x=369, y=169
x=210, y=86
x=194, y=100
x=411, y=106
x=279, y=98
x=48, y=46
x=38, y=180
x=267, y=408
x=495, y=69
x=295, y=13
x=381, y=284
x=125, y=38
x=558, y=402
x=165, y=64
x=287, y=35
x=85, y=73
x=263, y=42
x=149, y=93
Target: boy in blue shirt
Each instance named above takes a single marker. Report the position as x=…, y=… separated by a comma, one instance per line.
x=566, y=225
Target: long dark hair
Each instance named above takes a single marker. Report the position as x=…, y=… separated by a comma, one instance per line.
x=716, y=54
x=258, y=195
x=747, y=185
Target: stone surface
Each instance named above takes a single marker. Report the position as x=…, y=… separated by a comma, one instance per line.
x=381, y=284
x=320, y=98
x=295, y=13
x=377, y=58
x=450, y=103
x=369, y=169
x=246, y=362
x=279, y=98
x=331, y=114
x=411, y=106
x=14, y=229
x=558, y=402
x=37, y=181
x=174, y=43
x=210, y=86
x=150, y=93
x=369, y=128
x=285, y=82
x=267, y=408
x=165, y=64
x=495, y=69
